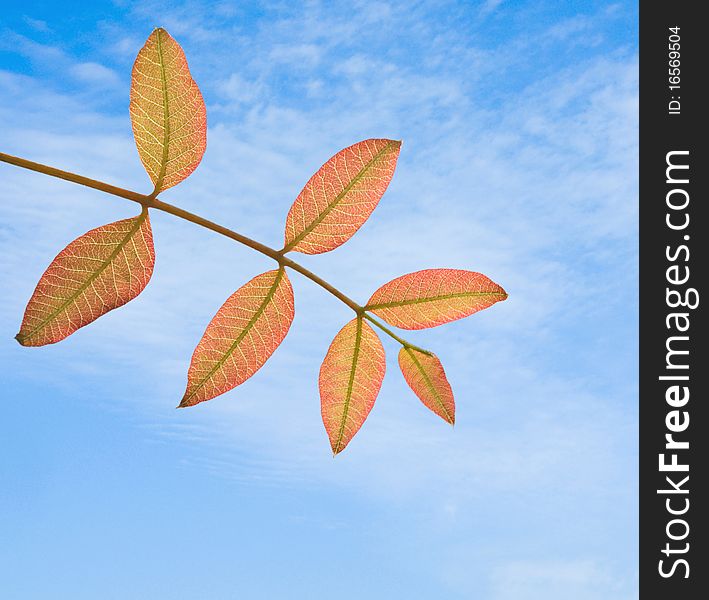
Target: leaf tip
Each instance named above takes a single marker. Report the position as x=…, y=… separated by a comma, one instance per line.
x=185, y=402
x=20, y=339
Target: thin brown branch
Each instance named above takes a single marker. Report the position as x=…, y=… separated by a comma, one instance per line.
x=150, y=201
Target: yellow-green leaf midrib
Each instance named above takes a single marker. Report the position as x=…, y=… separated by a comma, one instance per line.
x=321, y=217
x=412, y=301
x=429, y=384
x=83, y=287
x=166, y=116
x=350, y=384
x=247, y=328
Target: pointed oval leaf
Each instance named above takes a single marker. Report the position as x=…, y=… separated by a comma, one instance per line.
x=167, y=112
x=425, y=375
x=339, y=198
x=434, y=296
x=241, y=337
x=350, y=378
x=99, y=271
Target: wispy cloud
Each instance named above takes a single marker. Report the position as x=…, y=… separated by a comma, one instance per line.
x=37, y=24
x=535, y=189
x=91, y=73
x=538, y=580
x=489, y=6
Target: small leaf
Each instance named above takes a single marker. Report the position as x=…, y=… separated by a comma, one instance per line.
x=167, y=112
x=339, y=198
x=241, y=337
x=434, y=296
x=425, y=375
x=350, y=378
x=99, y=271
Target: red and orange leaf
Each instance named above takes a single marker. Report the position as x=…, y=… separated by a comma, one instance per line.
x=99, y=271
x=241, y=337
x=434, y=296
x=425, y=375
x=350, y=378
x=167, y=112
x=339, y=198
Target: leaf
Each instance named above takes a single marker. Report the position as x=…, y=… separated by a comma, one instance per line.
x=241, y=337
x=350, y=378
x=99, y=271
x=339, y=198
x=425, y=375
x=167, y=112
x=434, y=296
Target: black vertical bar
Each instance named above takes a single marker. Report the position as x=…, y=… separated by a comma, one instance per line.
x=674, y=549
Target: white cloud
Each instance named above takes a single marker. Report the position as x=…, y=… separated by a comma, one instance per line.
x=299, y=55
x=538, y=191
x=37, y=24
x=544, y=579
x=456, y=197
x=489, y=6
x=92, y=73
x=239, y=90
x=513, y=245
x=35, y=51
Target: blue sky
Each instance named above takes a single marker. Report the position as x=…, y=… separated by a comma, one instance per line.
x=519, y=160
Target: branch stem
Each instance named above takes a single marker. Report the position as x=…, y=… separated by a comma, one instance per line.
x=73, y=177
x=391, y=334
x=150, y=201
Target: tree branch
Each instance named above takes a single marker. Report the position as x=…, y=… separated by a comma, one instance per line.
x=152, y=202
